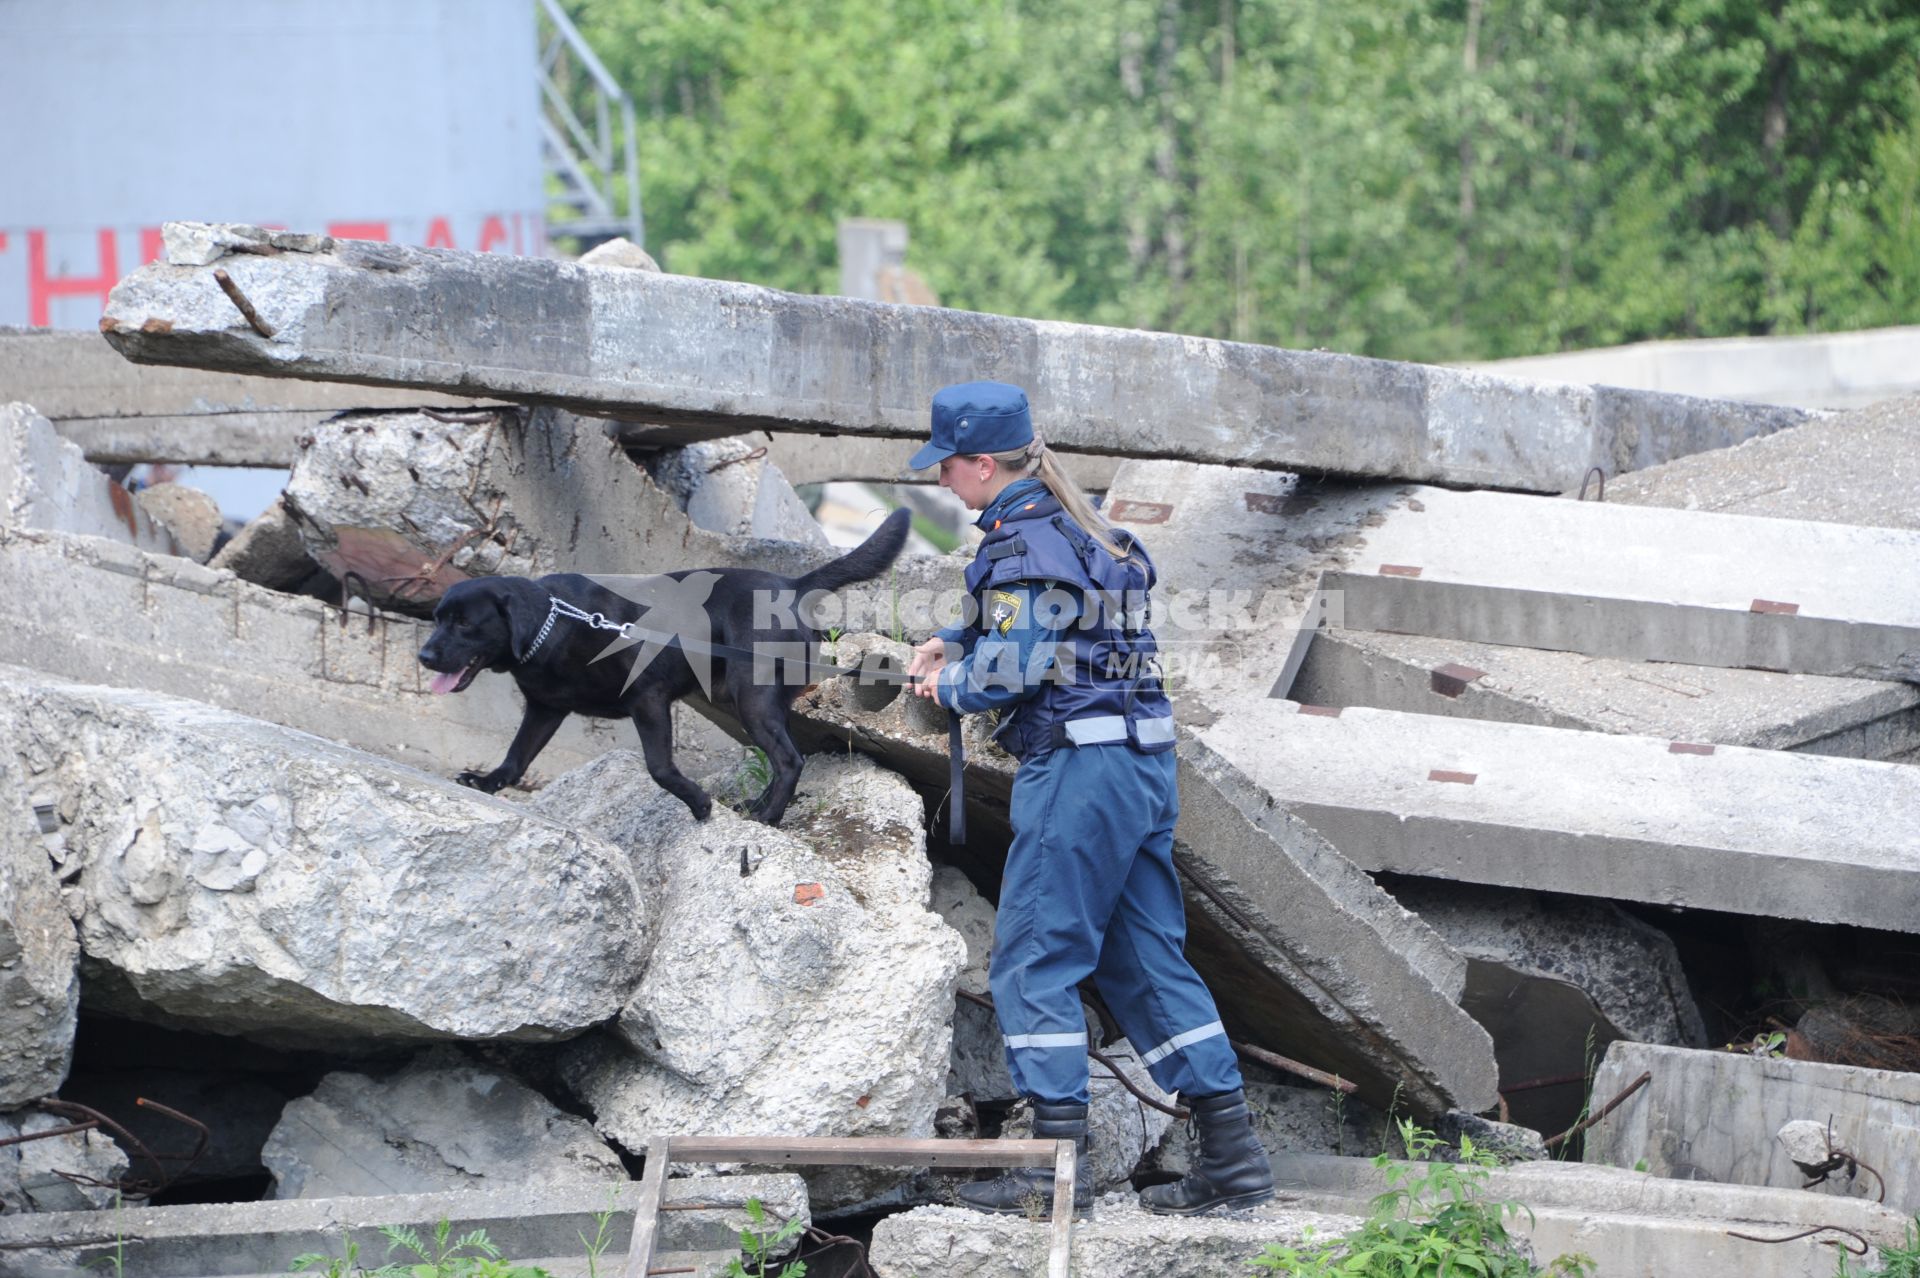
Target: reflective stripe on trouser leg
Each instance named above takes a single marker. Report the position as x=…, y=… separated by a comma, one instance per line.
x=1078, y=817
x=1163, y=1006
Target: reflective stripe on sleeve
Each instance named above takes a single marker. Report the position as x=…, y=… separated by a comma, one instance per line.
x=1048, y=1040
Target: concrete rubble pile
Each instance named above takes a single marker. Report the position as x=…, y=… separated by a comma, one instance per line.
x=1467, y=805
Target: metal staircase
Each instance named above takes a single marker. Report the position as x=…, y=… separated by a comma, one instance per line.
x=592, y=171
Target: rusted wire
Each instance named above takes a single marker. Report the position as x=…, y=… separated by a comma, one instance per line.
x=1581, y=1126
x=1588, y=477
x=50, y=1133
x=1865, y=1247
x=1097, y=1055
x=733, y=461
x=347, y=579
x=239, y=299
x=131, y=1186
x=467, y=417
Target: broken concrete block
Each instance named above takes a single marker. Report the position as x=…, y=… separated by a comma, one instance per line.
x=714, y=357
x=190, y=515
x=46, y=483
x=795, y=989
x=730, y=487
x=1762, y=832
x=268, y=551
x=441, y=1123
x=1121, y=1129
x=1121, y=1240
x=1630, y=1222
x=619, y=252
x=1630, y=969
x=39, y=954
x=978, y=1067
x=1714, y=1115
x=30, y=1179
x=246, y=878
x=412, y=502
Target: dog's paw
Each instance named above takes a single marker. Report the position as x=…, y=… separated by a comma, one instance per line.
x=701, y=809
x=485, y=782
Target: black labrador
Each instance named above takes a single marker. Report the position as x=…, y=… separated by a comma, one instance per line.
x=547, y=634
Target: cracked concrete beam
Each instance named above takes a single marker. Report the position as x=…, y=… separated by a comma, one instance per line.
x=712, y=357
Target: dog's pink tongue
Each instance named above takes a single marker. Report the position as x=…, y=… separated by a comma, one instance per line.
x=445, y=683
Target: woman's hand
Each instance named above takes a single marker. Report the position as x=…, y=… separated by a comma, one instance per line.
x=929, y=659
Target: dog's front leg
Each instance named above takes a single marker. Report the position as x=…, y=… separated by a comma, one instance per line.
x=537, y=727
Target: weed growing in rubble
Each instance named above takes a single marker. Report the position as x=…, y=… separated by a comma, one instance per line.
x=472, y=1255
x=760, y=1247
x=1895, y=1262
x=1433, y=1219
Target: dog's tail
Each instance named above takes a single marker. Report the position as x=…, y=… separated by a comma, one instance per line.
x=865, y=561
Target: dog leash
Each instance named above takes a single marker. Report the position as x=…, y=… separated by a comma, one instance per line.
x=956, y=747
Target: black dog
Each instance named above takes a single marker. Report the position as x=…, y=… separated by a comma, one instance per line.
x=544, y=633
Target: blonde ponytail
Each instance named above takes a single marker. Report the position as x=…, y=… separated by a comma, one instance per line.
x=1036, y=459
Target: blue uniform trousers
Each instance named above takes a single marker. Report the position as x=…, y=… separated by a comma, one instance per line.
x=1090, y=889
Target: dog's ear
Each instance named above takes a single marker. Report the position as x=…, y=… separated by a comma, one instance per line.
x=525, y=607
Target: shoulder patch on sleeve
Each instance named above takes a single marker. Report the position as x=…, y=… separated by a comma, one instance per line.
x=1003, y=610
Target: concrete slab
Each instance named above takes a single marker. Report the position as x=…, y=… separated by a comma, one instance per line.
x=1860, y=467
x=540, y=1225
x=1305, y=954
x=1627, y=818
x=1714, y=1116
x=110, y=614
x=1641, y=583
x=715, y=358
x=1633, y=1224
x=122, y=412
x=1120, y=1241
x=1814, y=714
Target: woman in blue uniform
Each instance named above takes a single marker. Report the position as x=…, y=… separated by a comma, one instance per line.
x=1059, y=645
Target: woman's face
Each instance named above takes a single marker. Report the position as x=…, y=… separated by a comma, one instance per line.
x=970, y=479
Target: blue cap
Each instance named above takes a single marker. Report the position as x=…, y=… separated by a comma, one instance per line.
x=976, y=417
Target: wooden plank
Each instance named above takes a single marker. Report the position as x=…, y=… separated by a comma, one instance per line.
x=878, y=1151
x=1060, y=1252
x=646, y=1212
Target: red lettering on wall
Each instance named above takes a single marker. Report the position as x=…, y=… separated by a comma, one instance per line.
x=151, y=244
x=492, y=231
x=3, y=241
x=41, y=290
x=440, y=234
x=358, y=230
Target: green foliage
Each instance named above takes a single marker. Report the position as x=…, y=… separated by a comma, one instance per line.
x=760, y=1247
x=1430, y=179
x=472, y=1255
x=1902, y=1261
x=1433, y=1220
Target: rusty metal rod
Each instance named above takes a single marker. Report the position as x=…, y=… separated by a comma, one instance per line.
x=1287, y=1065
x=1638, y=1083
x=1808, y=1233
x=239, y=299
x=50, y=1133
x=1097, y=1055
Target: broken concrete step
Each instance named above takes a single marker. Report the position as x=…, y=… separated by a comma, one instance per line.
x=1628, y=818
x=716, y=358
x=1641, y=583
x=531, y=1225
x=1716, y=1116
x=1629, y=1222
x=243, y=878
x=1120, y=1241
x=1304, y=953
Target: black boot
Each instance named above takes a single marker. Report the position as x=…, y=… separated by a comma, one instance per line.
x=1028, y=1191
x=1230, y=1169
